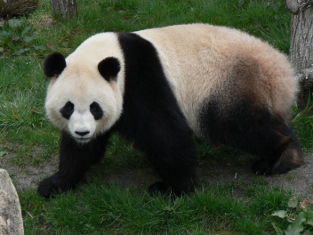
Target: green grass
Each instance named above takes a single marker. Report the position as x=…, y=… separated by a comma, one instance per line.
x=100, y=207
x=108, y=209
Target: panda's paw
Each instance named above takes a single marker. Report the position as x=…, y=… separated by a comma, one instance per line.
x=262, y=167
x=48, y=189
x=161, y=187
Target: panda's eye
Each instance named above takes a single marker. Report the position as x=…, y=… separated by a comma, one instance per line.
x=70, y=108
x=96, y=110
x=94, y=107
x=67, y=110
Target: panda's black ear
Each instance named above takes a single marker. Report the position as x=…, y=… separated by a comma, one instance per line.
x=54, y=64
x=109, y=68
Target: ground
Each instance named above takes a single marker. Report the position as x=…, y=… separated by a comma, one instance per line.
x=299, y=180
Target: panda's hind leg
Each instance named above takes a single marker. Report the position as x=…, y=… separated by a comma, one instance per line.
x=290, y=157
x=254, y=129
x=284, y=152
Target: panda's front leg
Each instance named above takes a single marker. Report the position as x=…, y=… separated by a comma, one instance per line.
x=177, y=180
x=174, y=159
x=75, y=159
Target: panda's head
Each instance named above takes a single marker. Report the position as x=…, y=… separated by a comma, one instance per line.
x=84, y=96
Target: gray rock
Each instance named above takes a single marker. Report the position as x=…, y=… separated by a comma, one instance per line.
x=10, y=210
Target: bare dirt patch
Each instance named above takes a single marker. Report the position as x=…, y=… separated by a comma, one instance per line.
x=27, y=177
x=299, y=180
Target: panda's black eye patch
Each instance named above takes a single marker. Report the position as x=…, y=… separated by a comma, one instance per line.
x=96, y=110
x=67, y=110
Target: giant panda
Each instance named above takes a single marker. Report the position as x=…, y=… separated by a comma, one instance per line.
x=157, y=87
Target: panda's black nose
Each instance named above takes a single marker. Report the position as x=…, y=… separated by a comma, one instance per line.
x=82, y=133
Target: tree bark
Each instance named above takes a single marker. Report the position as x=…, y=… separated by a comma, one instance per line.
x=296, y=6
x=64, y=8
x=301, y=48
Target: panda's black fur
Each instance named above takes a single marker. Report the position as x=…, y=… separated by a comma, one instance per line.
x=151, y=117
x=246, y=123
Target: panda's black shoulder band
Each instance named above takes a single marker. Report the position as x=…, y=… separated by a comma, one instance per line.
x=54, y=64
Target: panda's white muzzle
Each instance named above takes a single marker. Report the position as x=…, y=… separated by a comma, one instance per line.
x=82, y=126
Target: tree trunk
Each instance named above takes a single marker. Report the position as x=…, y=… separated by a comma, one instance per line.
x=64, y=8
x=301, y=49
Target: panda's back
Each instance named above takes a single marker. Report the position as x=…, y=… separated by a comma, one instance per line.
x=199, y=61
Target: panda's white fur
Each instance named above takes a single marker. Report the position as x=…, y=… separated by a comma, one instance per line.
x=152, y=86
